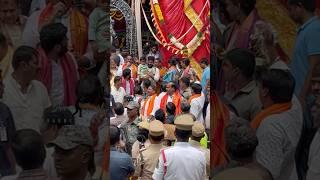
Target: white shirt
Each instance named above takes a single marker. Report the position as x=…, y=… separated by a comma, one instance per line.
x=127, y=87
x=57, y=88
x=31, y=35
x=119, y=72
x=184, y=162
x=196, y=108
x=170, y=99
x=156, y=72
x=207, y=120
x=278, y=136
x=155, y=55
x=314, y=158
x=157, y=102
x=144, y=114
x=37, y=5
x=27, y=109
x=118, y=95
x=121, y=59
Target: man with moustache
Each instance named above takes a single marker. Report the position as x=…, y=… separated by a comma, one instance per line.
x=58, y=68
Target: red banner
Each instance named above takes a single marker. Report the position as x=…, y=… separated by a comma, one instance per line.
x=187, y=21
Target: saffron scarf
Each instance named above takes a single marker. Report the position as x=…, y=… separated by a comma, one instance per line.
x=150, y=105
x=176, y=100
x=193, y=97
x=220, y=119
x=79, y=27
x=124, y=84
x=274, y=109
x=162, y=71
x=134, y=70
x=70, y=75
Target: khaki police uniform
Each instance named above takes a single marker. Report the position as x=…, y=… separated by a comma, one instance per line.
x=136, y=145
x=148, y=157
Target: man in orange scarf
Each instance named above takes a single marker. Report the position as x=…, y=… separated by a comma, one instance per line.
x=278, y=125
x=173, y=96
x=273, y=95
x=147, y=108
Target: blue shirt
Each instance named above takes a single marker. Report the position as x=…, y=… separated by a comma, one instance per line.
x=120, y=165
x=169, y=76
x=205, y=77
x=307, y=44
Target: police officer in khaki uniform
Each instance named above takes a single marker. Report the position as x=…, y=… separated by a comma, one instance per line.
x=198, y=131
x=148, y=157
x=143, y=126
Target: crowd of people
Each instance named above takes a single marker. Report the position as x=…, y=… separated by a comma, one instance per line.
x=149, y=101
x=265, y=102
x=58, y=98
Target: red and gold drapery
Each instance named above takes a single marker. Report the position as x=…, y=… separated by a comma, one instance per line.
x=183, y=28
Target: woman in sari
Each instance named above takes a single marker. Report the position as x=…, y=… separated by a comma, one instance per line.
x=170, y=75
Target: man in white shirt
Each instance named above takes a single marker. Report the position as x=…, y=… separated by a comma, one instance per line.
x=182, y=161
x=147, y=105
x=154, y=52
x=153, y=73
x=197, y=102
x=117, y=91
x=26, y=97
